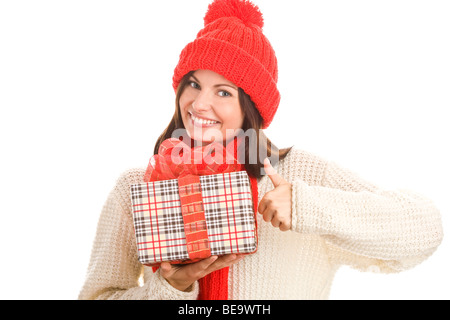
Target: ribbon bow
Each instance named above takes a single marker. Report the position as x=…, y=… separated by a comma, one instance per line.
x=175, y=159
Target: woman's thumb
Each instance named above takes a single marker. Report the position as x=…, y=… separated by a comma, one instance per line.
x=272, y=173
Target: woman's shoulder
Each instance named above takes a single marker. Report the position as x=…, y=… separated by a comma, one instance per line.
x=127, y=178
x=302, y=156
x=300, y=163
x=132, y=175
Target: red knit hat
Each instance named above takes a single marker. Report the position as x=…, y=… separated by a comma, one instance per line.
x=232, y=44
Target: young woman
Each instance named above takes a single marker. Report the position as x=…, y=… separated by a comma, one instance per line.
x=313, y=216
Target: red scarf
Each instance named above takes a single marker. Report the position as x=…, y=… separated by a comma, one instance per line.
x=176, y=159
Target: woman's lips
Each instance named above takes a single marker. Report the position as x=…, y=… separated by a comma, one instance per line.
x=199, y=122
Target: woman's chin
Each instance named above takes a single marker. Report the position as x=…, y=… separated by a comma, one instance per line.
x=205, y=137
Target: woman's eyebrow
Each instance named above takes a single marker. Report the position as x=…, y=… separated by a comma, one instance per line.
x=195, y=78
x=217, y=85
x=226, y=85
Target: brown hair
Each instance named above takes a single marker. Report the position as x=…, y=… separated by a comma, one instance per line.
x=252, y=120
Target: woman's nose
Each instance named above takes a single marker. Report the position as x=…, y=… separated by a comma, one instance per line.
x=202, y=103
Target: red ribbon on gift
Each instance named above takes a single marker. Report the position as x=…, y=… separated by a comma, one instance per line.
x=176, y=159
x=197, y=242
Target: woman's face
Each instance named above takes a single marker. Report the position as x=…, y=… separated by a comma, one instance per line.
x=210, y=108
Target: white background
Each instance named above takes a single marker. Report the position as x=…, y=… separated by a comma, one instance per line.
x=85, y=89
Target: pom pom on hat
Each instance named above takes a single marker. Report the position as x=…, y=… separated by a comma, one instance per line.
x=233, y=45
x=244, y=10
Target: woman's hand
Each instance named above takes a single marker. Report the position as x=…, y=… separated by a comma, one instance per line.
x=276, y=204
x=181, y=277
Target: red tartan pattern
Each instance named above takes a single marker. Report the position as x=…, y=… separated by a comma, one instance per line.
x=194, y=227
x=193, y=214
x=161, y=231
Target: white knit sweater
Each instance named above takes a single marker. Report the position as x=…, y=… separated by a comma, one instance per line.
x=337, y=219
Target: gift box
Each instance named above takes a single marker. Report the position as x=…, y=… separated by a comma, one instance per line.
x=191, y=218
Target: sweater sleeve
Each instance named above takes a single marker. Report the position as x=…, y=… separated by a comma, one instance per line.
x=114, y=269
x=364, y=226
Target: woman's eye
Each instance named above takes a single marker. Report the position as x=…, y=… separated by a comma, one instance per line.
x=224, y=94
x=194, y=85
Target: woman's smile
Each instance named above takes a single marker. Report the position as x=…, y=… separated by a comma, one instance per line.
x=201, y=122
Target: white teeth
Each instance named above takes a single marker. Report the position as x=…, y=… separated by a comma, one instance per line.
x=202, y=121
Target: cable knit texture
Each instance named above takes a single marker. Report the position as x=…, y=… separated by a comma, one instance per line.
x=337, y=219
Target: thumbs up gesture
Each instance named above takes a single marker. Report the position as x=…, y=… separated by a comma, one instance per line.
x=275, y=206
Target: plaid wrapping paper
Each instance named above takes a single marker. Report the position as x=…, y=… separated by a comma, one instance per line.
x=160, y=229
